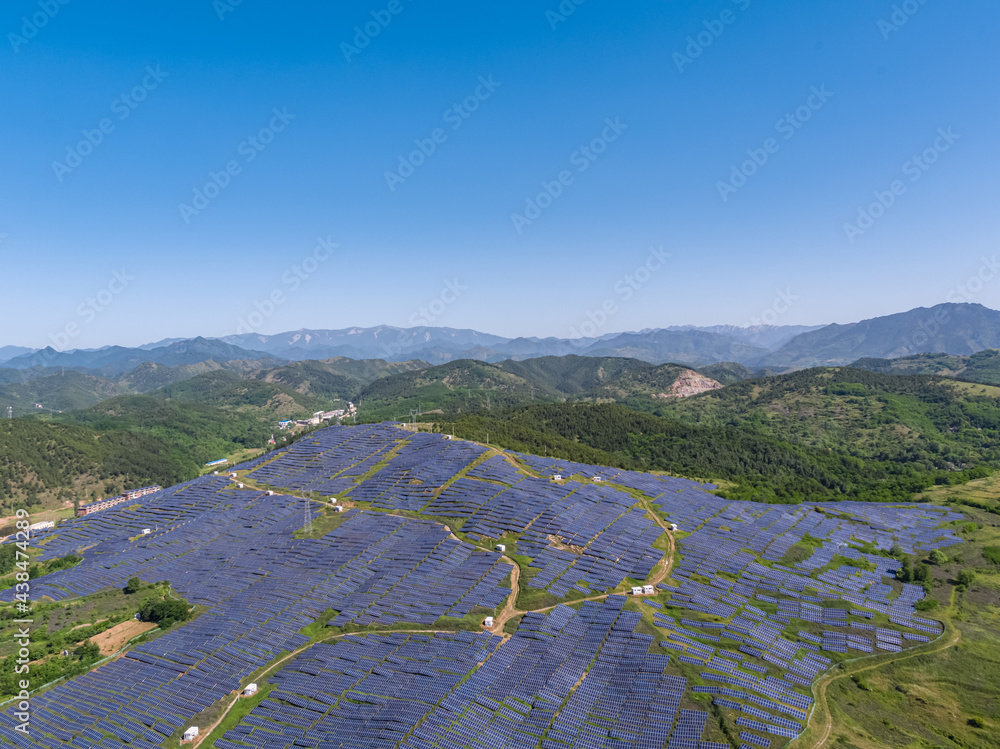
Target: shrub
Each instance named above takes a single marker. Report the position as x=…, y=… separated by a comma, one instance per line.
x=133, y=585
x=164, y=612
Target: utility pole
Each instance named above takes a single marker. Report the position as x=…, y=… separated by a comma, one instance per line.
x=308, y=526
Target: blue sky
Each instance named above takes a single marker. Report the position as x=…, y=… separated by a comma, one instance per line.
x=692, y=90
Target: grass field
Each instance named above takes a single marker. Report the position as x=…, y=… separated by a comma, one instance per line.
x=943, y=695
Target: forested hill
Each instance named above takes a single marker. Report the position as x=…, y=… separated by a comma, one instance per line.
x=130, y=440
x=813, y=435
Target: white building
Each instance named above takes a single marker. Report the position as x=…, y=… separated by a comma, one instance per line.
x=673, y=527
x=250, y=690
x=191, y=734
x=649, y=590
x=501, y=548
x=42, y=525
x=598, y=479
x=557, y=477
x=239, y=486
x=146, y=531
x=489, y=622
x=338, y=508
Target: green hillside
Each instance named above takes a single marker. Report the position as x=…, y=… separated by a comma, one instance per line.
x=230, y=391
x=457, y=387
x=572, y=375
x=817, y=434
x=982, y=367
x=127, y=440
x=338, y=378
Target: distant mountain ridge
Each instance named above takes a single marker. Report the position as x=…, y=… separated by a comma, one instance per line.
x=955, y=329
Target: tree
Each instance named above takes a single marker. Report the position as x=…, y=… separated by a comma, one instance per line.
x=966, y=577
x=88, y=651
x=164, y=611
x=922, y=574
x=938, y=557
x=133, y=585
x=905, y=573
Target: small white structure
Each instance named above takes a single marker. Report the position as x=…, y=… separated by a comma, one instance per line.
x=488, y=622
x=649, y=590
x=233, y=475
x=557, y=477
x=338, y=508
x=270, y=493
x=598, y=480
x=42, y=525
x=501, y=548
x=239, y=486
x=250, y=690
x=673, y=527
x=146, y=531
x=191, y=734
x=637, y=590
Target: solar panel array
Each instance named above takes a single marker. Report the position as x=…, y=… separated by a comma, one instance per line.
x=756, y=634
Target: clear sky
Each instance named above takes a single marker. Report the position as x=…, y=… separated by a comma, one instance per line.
x=292, y=126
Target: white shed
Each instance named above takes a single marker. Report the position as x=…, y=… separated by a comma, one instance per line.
x=557, y=477
x=673, y=527
x=239, y=486
x=598, y=479
x=488, y=622
x=649, y=590
x=637, y=590
x=146, y=531
x=338, y=508
x=250, y=690
x=501, y=548
x=191, y=733
x=270, y=493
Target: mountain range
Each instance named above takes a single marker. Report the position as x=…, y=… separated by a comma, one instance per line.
x=956, y=329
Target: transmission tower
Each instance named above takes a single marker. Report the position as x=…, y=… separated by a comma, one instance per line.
x=10, y=412
x=308, y=526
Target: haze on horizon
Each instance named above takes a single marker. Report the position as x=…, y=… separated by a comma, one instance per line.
x=513, y=169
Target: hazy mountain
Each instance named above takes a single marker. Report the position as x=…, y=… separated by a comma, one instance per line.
x=115, y=360
x=9, y=352
x=680, y=346
x=771, y=337
x=958, y=329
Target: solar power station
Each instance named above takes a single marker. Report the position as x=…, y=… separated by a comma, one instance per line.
x=731, y=627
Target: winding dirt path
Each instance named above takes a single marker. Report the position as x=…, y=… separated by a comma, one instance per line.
x=203, y=735
x=822, y=704
x=666, y=565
